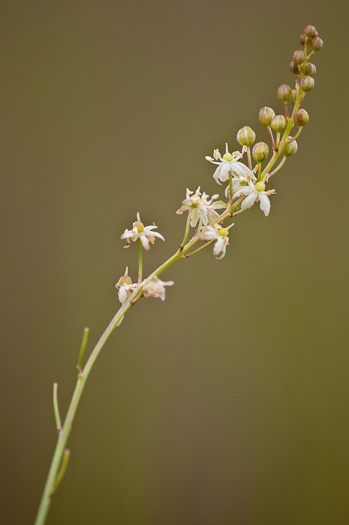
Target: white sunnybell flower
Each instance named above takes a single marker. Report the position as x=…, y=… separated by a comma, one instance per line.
x=229, y=163
x=201, y=208
x=125, y=287
x=156, y=288
x=253, y=193
x=220, y=235
x=144, y=233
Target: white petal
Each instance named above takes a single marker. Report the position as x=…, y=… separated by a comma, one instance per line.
x=145, y=242
x=241, y=170
x=244, y=190
x=264, y=203
x=249, y=201
x=216, y=174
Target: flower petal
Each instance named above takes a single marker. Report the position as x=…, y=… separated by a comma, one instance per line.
x=264, y=203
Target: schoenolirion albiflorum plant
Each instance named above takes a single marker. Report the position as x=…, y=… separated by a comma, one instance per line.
x=246, y=185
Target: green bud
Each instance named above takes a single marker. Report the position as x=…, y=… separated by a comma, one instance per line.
x=260, y=152
x=317, y=43
x=301, y=117
x=310, y=31
x=266, y=115
x=294, y=68
x=284, y=92
x=279, y=123
x=246, y=136
x=310, y=69
x=293, y=97
x=307, y=83
x=290, y=148
x=298, y=56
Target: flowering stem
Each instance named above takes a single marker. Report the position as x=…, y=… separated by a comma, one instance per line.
x=296, y=135
x=140, y=261
x=187, y=227
x=278, y=167
x=199, y=249
x=271, y=138
x=249, y=159
x=230, y=188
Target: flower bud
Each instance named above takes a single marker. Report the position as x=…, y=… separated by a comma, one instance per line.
x=266, y=115
x=307, y=83
x=301, y=117
x=279, y=123
x=310, y=31
x=298, y=56
x=284, y=92
x=293, y=97
x=294, y=68
x=310, y=69
x=290, y=148
x=246, y=136
x=260, y=152
x=317, y=43
x=304, y=40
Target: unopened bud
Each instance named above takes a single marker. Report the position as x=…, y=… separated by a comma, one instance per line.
x=279, y=123
x=304, y=40
x=266, y=115
x=246, y=136
x=317, y=43
x=310, y=69
x=294, y=68
x=310, y=31
x=284, y=92
x=293, y=97
x=298, y=56
x=301, y=117
x=260, y=152
x=307, y=83
x=290, y=148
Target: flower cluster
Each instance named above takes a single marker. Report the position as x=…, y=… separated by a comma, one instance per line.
x=244, y=172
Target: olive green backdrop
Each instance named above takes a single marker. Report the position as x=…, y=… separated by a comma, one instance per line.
x=227, y=403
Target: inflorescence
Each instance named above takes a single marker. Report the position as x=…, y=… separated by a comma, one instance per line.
x=246, y=182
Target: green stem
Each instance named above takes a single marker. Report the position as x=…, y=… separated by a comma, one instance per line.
x=187, y=227
x=140, y=261
x=56, y=408
x=54, y=475
x=199, y=249
x=278, y=167
x=82, y=349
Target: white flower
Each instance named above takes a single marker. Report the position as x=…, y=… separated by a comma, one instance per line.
x=253, y=193
x=156, y=288
x=144, y=233
x=220, y=235
x=125, y=287
x=229, y=163
x=201, y=208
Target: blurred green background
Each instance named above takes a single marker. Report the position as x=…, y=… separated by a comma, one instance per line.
x=228, y=403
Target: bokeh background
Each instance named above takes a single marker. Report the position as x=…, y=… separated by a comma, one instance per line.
x=228, y=403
